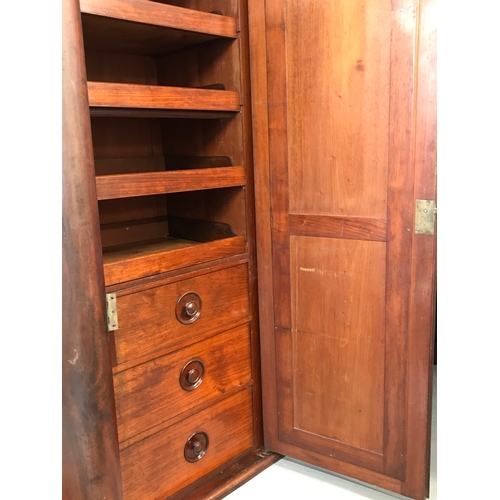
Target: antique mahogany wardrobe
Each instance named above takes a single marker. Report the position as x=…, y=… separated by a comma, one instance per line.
x=248, y=243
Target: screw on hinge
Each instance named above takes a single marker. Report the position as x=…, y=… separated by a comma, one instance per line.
x=112, y=311
x=264, y=453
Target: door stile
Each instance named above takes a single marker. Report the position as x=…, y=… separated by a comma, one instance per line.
x=278, y=149
x=399, y=234
x=423, y=279
x=261, y=158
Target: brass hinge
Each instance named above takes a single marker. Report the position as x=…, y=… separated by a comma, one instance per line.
x=264, y=453
x=425, y=216
x=112, y=311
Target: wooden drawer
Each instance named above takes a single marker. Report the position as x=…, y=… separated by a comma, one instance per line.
x=147, y=318
x=151, y=393
x=156, y=467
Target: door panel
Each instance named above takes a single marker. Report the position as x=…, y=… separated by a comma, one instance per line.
x=339, y=345
x=337, y=133
x=341, y=391
x=359, y=186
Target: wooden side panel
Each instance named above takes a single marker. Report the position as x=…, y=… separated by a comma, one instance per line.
x=338, y=293
x=118, y=67
x=130, y=232
x=338, y=79
x=204, y=138
x=131, y=138
x=109, y=166
x=216, y=205
x=209, y=64
x=90, y=460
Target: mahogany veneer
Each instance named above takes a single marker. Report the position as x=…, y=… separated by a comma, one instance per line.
x=127, y=185
x=124, y=95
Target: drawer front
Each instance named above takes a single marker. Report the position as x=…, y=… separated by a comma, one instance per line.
x=179, y=313
x=158, y=390
x=157, y=467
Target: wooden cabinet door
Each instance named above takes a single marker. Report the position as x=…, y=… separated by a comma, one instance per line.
x=344, y=139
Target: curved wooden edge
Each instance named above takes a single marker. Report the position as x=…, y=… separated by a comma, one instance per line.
x=90, y=465
x=225, y=481
x=232, y=484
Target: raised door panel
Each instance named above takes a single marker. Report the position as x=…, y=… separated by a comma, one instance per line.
x=339, y=348
x=341, y=328
x=338, y=144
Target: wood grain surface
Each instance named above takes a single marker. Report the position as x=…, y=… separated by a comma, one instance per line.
x=338, y=57
x=127, y=95
x=150, y=393
x=423, y=293
x=147, y=328
x=155, y=468
x=151, y=183
x=354, y=228
x=155, y=257
x=338, y=295
x=154, y=13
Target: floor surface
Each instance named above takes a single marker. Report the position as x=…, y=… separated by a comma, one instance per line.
x=295, y=480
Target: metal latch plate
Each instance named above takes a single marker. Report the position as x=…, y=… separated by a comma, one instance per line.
x=425, y=216
x=112, y=311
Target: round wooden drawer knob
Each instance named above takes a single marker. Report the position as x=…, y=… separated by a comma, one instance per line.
x=192, y=375
x=188, y=308
x=196, y=447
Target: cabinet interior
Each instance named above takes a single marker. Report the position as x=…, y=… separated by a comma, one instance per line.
x=170, y=174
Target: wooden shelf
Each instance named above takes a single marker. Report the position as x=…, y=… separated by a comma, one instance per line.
x=147, y=258
x=149, y=28
x=110, y=98
x=174, y=181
